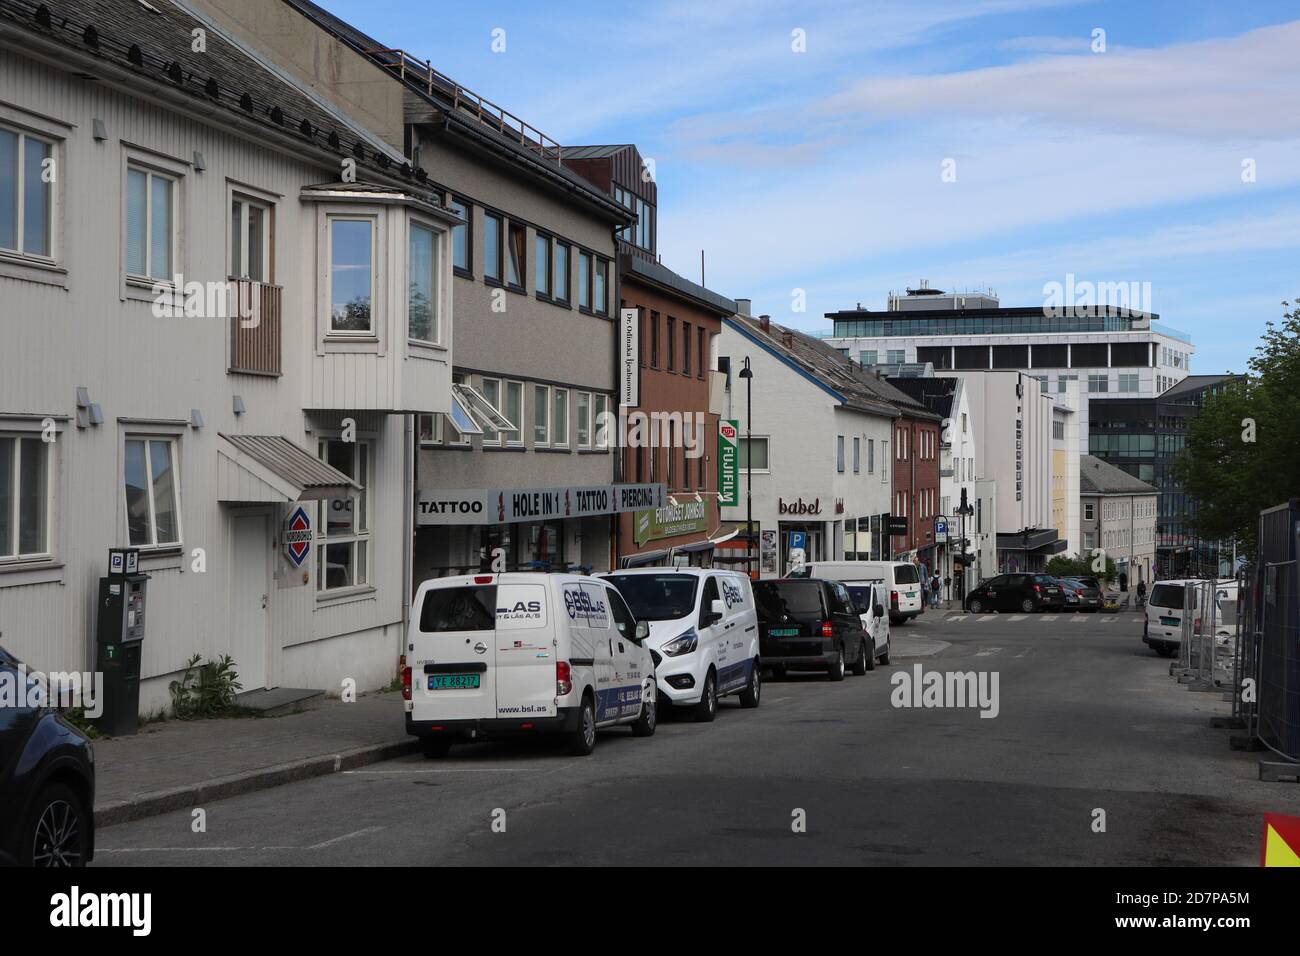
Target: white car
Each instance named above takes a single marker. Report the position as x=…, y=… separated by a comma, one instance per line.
x=703, y=634
x=523, y=653
x=869, y=600
x=903, y=586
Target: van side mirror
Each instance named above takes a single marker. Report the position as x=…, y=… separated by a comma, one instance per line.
x=718, y=607
x=880, y=610
x=642, y=631
x=713, y=614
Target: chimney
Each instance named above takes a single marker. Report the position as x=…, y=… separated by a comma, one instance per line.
x=787, y=339
x=765, y=323
x=743, y=306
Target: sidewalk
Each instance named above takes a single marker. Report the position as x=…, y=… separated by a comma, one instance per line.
x=177, y=763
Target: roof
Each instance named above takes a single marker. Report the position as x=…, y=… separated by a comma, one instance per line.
x=1097, y=477
x=442, y=93
x=595, y=152
x=276, y=465
x=936, y=394
x=225, y=82
x=826, y=365
x=661, y=275
x=1194, y=383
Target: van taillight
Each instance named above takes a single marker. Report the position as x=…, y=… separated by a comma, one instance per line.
x=827, y=630
x=406, y=683
x=893, y=598
x=563, y=678
x=483, y=579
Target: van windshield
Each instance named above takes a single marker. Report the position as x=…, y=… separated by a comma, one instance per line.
x=906, y=574
x=459, y=609
x=657, y=597
x=784, y=600
x=1167, y=595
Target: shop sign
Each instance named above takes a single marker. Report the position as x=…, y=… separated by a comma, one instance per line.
x=688, y=517
x=473, y=506
x=728, y=462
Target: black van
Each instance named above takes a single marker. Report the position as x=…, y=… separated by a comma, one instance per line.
x=810, y=624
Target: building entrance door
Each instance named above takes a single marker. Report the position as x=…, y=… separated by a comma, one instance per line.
x=249, y=577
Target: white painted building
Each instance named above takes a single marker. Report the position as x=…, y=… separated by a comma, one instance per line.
x=195, y=438
x=820, y=444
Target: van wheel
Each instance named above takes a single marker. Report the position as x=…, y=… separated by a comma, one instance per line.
x=707, y=708
x=835, y=671
x=884, y=658
x=435, y=746
x=582, y=740
x=57, y=831
x=644, y=726
x=749, y=697
x=860, y=667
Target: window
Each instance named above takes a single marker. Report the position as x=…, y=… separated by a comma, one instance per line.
x=686, y=348
x=871, y=456
x=584, y=419
x=1088, y=512
x=839, y=454
x=857, y=455
x=654, y=339
x=24, y=496
x=600, y=428
x=491, y=389
x=1098, y=383
x=352, y=274
x=668, y=456
x=584, y=280
x=895, y=356
x=755, y=448
x=703, y=350
x=1058, y=430
x=868, y=357
x=514, y=411
x=492, y=247
x=26, y=199
x=1128, y=382
x=645, y=217
x=150, y=224
x=560, y=418
x=422, y=291
x=602, y=276
x=250, y=246
x=460, y=243
x=541, y=414
x=542, y=268
x=561, y=272
x=152, y=507
x=671, y=341
x=343, y=524
x=515, y=256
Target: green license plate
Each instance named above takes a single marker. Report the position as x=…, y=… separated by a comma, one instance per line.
x=784, y=632
x=1169, y=622
x=453, y=681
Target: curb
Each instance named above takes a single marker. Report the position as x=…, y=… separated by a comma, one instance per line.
x=263, y=778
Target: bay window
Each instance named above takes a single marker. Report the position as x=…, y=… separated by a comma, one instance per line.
x=422, y=311
x=351, y=274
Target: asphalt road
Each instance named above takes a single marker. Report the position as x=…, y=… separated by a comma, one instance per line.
x=1088, y=719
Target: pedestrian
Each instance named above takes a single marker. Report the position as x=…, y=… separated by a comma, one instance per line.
x=934, y=590
x=947, y=585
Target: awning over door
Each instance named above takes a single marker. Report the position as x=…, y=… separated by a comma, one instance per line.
x=270, y=468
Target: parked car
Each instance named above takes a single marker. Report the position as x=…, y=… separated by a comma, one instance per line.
x=1089, y=595
x=809, y=624
x=868, y=600
x=905, y=589
x=703, y=634
x=47, y=782
x=1068, y=592
x=1016, y=592
x=491, y=655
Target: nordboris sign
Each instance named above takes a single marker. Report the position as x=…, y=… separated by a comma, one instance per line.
x=728, y=462
x=510, y=505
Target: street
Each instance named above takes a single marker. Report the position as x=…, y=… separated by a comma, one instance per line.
x=1088, y=720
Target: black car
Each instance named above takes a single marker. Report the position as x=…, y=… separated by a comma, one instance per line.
x=1016, y=592
x=810, y=624
x=47, y=781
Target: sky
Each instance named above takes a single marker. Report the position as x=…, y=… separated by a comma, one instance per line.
x=824, y=154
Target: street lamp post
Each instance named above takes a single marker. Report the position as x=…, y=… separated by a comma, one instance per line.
x=748, y=375
x=963, y=510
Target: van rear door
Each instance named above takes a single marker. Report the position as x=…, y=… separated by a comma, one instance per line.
x=525, y=652
x=453, y=654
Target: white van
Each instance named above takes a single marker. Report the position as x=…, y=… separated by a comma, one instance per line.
x=522, y=653
x=869, y=602
x=703, y=633
x=1162, y=626
x=903, y=585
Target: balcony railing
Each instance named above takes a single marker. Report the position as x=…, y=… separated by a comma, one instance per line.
x=255, y=328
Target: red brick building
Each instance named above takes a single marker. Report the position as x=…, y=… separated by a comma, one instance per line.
x=916, y=481
x=679, y=386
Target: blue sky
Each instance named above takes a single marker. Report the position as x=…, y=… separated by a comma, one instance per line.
x=821, y=170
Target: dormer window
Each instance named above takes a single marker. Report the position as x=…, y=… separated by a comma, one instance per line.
x=352, y=274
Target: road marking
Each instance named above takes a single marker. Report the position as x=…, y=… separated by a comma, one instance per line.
x=346, y=836
x=1049, y=617
x=1025, y=653
x=988, y=652
x=1109, y=620
x=989, y=617
x=1077, y=619
x=450, y=770
x=953, y=619
x=1138, y=620
x=1018, y=617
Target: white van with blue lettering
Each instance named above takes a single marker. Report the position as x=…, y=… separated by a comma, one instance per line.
x=703, y=633
x=493, y=655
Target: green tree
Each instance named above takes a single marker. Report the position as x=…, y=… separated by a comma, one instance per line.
x=1243, y=451
x=1063, y=566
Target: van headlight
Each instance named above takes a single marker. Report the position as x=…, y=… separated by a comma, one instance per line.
x=680, y=645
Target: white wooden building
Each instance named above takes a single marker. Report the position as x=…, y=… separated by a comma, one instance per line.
x=134, y=169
